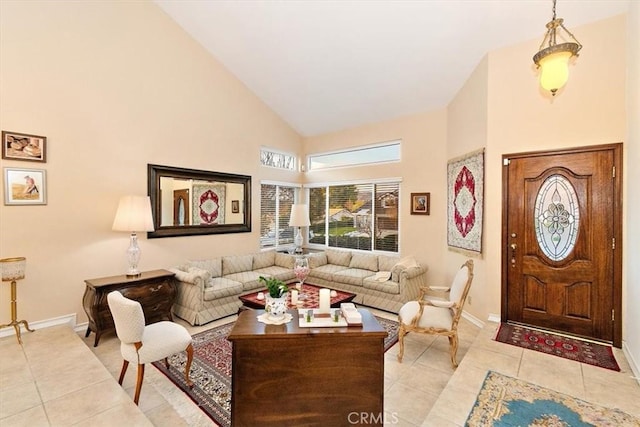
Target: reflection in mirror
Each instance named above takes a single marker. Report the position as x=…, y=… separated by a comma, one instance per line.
x=188, y=201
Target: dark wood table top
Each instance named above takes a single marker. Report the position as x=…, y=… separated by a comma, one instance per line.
x=248, y=327
x=311, y=297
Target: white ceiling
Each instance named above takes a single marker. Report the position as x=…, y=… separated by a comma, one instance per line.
x=330, y=65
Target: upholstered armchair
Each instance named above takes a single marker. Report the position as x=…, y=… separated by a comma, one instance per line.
x=437, y=317
x=142, y=344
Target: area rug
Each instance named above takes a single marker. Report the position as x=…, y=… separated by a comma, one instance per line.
x=558, y=345
x=211, y=369
x=506, y=401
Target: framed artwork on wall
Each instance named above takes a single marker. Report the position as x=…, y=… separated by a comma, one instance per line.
x=235, y=206
x=25, y=186
x=21, y=146
x=420, y=203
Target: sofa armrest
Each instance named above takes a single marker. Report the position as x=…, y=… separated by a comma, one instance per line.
x=411, y=272
x=195, y=276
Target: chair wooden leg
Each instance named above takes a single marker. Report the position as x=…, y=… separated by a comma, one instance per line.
x=453, y=348
x=125, y=365
x=136, y=398
x=187, y=369
x=166, y=363
x=401, y=334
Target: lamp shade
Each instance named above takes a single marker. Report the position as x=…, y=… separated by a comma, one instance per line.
x=299, y=216
x=13, y=268
x=134, y=214
x=554, y=70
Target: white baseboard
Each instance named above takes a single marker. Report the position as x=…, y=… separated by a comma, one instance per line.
x=632, y=362
x=494, y=318
x=68, y=319
x=473, y=319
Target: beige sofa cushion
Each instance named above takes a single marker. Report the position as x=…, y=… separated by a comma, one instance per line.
x=324, y=272
x=220, y=287
x=264, y=259
x=285, y=260
x=386, y=286
x=351, y=276
x=338, y=257
x=317, y=259
x=364, y=261
x=236, y=264
x=213, y=266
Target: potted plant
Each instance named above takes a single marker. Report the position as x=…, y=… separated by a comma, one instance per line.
x=276, y=298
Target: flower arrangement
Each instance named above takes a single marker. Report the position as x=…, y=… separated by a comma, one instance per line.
x=277, y=288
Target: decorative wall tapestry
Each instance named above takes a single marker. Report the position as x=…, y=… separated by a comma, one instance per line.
x=465, y=199
x=208, y=204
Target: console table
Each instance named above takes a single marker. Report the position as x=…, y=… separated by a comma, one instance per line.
x=155, y=290
x=288, y=375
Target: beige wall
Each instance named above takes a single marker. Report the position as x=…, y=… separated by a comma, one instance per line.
x=114, y=86
x=467, y=132
x=632, y=195
x=422, y=169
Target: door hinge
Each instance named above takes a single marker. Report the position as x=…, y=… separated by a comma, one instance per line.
x=613, y=243
x=614, y=171
x=613, y=315
x=506, y=162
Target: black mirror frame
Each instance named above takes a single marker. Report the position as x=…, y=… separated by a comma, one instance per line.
x=155, y=172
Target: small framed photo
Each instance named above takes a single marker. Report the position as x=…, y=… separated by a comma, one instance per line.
x=420, y=203
x=25, y=186
x=20, y=146
x=235, y=206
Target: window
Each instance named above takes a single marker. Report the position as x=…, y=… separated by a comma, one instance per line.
x=277, y=159
x=275, y=208
x=379, y=153
x=360, y=216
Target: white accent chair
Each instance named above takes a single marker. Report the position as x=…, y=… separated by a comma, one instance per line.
x=142, y=344
x=437, y=317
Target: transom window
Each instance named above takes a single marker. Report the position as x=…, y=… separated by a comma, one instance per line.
x=277, y=159
x=371, y=154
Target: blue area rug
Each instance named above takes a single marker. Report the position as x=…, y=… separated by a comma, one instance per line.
x=504, y=401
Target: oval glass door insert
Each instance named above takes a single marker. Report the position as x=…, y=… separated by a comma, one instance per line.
x=557, y=215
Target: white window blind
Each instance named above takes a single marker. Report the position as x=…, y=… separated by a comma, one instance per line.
x=275, y=208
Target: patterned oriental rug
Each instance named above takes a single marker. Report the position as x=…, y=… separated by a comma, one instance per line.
x=506, y=401
x=558, y=345
x=211, y=369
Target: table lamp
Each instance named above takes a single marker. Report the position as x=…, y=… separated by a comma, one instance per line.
x=13, y=269
x=133, y=215
x=299, y=218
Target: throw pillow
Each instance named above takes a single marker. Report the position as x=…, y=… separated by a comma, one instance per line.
x=364, y=261
x=213, y=266
x=382, y=276
x=236, y=264
x=338, y=257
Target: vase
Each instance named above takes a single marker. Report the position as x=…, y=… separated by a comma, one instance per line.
x=301, y=270
x=276, y=307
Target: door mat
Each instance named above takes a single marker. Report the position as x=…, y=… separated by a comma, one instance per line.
x=211, y=369
x=558, y=345
x=507, y=401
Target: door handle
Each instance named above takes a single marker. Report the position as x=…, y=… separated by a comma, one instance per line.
x=513, y=254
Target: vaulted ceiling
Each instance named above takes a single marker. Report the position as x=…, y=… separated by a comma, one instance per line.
x=329, y=65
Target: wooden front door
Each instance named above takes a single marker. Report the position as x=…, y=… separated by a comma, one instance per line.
x=562, y=258
x=181, y=207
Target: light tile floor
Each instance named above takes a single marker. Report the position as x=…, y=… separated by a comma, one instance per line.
x=43, y=385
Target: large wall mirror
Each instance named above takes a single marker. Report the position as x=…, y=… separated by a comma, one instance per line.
x=188, y=202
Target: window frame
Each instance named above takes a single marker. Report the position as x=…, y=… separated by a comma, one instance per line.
x=293, y=156
x=360, y=151
x=296, y=196
x=373, y=183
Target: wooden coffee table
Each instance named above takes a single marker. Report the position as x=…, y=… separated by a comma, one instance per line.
x=310, y=291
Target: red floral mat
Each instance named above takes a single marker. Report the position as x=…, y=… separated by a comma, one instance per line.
x=558, y=345
x=211, y=369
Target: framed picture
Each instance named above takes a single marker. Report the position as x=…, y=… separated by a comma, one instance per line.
x=20, y=146
x=420, y=203
x=235, y=206
x=25, y=186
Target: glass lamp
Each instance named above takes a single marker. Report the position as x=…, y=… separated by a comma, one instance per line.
x=14, y=269
x=299, y=218
x=133, y=215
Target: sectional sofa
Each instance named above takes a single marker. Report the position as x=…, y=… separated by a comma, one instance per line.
x=209, y=289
